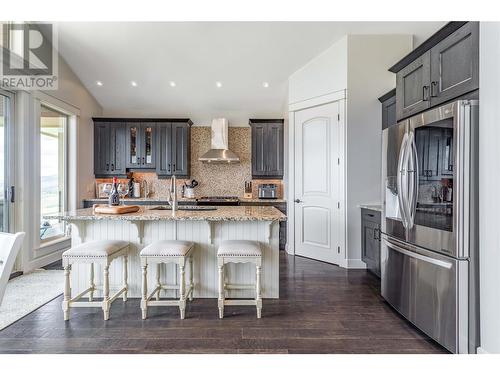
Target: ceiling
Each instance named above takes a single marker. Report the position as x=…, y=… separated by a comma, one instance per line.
x=196, y=55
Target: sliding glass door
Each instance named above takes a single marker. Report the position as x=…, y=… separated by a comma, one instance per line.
x=6, y=191
x=53, y=174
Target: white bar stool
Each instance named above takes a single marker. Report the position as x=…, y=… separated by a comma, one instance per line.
x=236, y=251
x=100, y=252
x=167, y=252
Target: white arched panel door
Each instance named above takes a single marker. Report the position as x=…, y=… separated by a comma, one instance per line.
x=317, y=183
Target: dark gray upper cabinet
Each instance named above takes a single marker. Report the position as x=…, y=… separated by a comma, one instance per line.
x=455, y=64
x=413, y=87
x=446, y=67
x=122, y=145
x=109, y=149
x=267, y=148
x=141, y=140
x=174, y=149
x=388, y=109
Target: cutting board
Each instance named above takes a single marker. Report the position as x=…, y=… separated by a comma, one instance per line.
x=114, y=210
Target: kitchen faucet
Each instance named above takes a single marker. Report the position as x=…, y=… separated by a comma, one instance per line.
x=172, y=194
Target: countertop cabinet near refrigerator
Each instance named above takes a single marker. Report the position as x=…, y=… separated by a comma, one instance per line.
x=447, y=70
x=109, y=149
x=370, y=239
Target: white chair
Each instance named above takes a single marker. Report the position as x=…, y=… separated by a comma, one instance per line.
x=10, y=244
x=94, y=252
x=235, y=251
x=167, y=252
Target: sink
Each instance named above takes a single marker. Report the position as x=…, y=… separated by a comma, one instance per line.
x=185, y=208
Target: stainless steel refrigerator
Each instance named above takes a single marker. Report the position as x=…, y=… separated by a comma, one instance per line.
x=429, y=254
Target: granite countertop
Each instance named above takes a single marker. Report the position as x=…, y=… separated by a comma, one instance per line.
x=257, y=200
x=371, y=206
x=157, y=199
x=222, y=213
x=142, y=199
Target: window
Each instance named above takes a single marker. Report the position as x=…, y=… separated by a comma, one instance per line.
x=4, y=165
x=53, y=146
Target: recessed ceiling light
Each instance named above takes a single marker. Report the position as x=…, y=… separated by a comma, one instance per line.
x=172, y=84
x=218, y=84
x=98, y=83
x=133, y=83
x=265, y=84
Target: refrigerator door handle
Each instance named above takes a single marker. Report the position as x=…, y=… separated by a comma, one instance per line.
x=401, y=177
x=412, y=179
x=411, y=254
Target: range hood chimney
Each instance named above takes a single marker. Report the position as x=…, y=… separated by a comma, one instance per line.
x=219, y=151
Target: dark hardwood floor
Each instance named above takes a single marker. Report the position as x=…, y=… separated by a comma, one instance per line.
x=322, y=309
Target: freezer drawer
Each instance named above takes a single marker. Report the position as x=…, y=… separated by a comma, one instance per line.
x=425, y=288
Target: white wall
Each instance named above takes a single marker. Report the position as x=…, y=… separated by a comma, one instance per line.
x=489, y=180
x=357, y=64
x=323, y=75
x=72, y=91
x=369, y=57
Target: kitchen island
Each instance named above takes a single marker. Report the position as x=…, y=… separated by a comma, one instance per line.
x=206, y=228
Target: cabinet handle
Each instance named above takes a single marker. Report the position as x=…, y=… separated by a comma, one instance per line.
x=425, y=97
x=143, y=160
x=434, y=86
x=107, y=166
x=297, y=201
x=112, y=167
x=173, y=166
x=169, y=167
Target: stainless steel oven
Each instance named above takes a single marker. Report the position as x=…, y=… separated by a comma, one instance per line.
x=430, y=220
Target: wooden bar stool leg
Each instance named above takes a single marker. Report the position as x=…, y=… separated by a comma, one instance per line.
x=258, y=299
x=92, y=285
x=125, y=277
x=191, y=284
x=182, y=287
x=105, y=301
x=158, y=283
x=221, y=290
x=67, y=291
x=144, y=300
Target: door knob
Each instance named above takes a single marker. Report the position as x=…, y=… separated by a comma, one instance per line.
x=297, y=201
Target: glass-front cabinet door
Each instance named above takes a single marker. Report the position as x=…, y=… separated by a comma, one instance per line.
x=133, y=145
x=141, y=145
x=148, y=159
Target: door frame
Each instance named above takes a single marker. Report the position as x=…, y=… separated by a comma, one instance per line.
x=9, y=178
x=27, y=141
x=340, y=97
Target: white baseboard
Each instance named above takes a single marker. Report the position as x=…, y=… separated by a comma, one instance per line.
x=480, y=350
x=43, y=261
x=355, y=264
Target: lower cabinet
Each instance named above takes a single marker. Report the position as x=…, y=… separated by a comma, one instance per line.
x=370, y=239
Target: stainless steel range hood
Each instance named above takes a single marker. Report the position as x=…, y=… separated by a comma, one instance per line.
x=219, y=152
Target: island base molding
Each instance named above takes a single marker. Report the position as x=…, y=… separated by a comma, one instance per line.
x=206, y=236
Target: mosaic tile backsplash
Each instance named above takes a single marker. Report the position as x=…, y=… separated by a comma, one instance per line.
x=213, y=179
